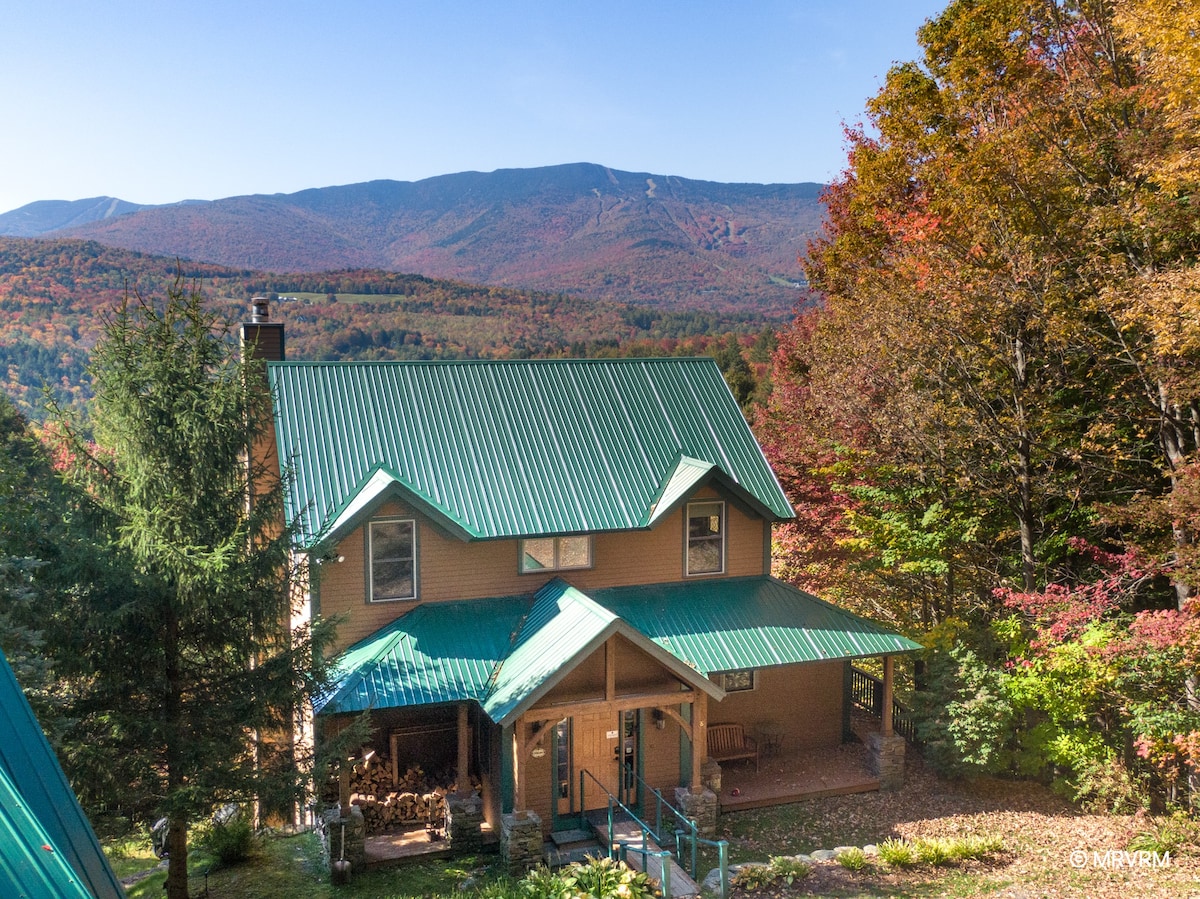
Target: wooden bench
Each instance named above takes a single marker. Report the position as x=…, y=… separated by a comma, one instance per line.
x=727, y=742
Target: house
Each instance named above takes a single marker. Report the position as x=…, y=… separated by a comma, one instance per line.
x=552, y=576
x=47, y=846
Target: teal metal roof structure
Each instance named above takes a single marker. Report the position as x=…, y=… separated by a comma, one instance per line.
x=505, y=653
x=564, y=627
x=47, y=846
x=511, y=448
x=725, y=624
x=438, y=652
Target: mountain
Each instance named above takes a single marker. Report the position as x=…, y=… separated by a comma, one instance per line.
x=584, y=229
x=45, y=216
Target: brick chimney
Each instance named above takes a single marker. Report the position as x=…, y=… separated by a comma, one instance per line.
x=262, y=337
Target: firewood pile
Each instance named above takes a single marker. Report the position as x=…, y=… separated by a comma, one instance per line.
x=416, y=798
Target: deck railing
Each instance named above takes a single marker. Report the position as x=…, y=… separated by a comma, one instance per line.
x=685, y=831
x=866, y=690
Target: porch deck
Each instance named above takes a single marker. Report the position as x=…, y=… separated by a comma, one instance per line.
x=411, y=843
x=793, y=776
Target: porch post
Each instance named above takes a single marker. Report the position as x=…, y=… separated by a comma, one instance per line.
x=699, y=738
x=464, y=750
x=888, y=669
x=518, y=768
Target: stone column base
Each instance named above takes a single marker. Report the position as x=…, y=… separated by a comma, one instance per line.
x=700, y=807
x=710, y=775
x=464, y=822
x=520, y=842
x=356, y=837
x=886, y=758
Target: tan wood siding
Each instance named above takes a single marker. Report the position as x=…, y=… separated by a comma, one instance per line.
x=539, y=775
x=660, y=756
x=804, y=701
x=449, y=569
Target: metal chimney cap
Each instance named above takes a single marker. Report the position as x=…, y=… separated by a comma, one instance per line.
x=260, y=310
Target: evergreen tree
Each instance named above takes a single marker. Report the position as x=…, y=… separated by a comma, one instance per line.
x=189, y=675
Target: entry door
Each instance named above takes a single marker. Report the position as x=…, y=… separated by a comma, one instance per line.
x=606, y=746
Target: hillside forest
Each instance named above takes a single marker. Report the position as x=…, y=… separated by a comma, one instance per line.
x=988, y=422
x=990, y=426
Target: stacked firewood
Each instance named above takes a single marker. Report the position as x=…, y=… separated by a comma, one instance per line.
x=416, y=798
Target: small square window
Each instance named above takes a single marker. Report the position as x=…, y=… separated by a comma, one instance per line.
x=393, y=560
x=555, y=553
x=738, y=681
x=706, y=538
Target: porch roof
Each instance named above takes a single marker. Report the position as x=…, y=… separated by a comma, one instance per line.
x=506, y=652
x=725, y=624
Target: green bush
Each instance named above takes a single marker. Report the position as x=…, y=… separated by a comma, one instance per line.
x=753, y=876
x=780, y=867
x=601, y=878
x=1165, y=835
x=788, y=869
x=932, y=851
x=232, y=842
x=976, y=847
x=897, y=852
x=852, y=859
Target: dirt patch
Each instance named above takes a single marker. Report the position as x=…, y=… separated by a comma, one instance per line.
x=1052, y=849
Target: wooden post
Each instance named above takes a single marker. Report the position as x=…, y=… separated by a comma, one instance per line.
x=610, y=669
x=464, y=750
x=888, y=669
x=518, y=768
x=699, y=738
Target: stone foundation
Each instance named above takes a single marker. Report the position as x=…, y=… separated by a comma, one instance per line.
x=331, y=822
x=464, y=821
x=700, y=807
x=710, y=775
x=520, y=842
x=886, y=759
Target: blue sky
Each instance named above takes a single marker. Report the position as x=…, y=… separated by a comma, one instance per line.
x=155, y=102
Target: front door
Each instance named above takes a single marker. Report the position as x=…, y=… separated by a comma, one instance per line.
x=608, y=748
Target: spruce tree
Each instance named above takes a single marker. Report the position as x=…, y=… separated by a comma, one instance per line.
x=193, y=676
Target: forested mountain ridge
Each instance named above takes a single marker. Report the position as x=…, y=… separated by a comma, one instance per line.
x=55, y=294
x=581, y=228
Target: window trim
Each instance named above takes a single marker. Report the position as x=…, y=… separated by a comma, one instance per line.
x=725, y=675
x=521, y=569
x=371, y=597
x=687, y=537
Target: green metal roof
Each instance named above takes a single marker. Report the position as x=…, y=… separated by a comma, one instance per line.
x=47, y=846
x=438, y=652
x=564, y=627
x=724, y=624
x=509, y=448
x=505, y=653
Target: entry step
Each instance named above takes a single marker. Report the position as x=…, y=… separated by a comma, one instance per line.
x=567, y=837
x=554, y=857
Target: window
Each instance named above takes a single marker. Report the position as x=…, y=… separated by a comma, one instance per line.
x=555, y=553
x=393, y=553
x=706, y=538
x=738, y=681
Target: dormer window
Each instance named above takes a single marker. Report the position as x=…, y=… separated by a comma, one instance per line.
x=705, y=538
x=393, y=553
x=555, y=553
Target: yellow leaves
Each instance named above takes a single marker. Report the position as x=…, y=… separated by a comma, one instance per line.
x=1164, y=306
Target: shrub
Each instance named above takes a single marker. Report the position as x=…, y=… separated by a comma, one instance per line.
x=852, y=859
x=897, y=852
x=1165, y=835
x=753, y=876
x=932, y=851
x=230, y=842
x=789, y=869
x=601, y=878
x=976, y=847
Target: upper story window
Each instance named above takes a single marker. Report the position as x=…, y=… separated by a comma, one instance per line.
x=393, y=554
x=706, y=538
x=556, y=553
x=737, y=681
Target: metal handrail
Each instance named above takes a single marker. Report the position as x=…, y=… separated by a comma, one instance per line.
x=689, y=832
x=664, y=860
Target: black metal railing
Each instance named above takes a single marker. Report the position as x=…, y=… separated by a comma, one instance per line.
x=866, y=691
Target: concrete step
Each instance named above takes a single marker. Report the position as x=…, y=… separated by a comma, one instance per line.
x=563, y=838
x=556, y=857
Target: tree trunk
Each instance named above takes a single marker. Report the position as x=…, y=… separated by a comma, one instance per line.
x=177, y=845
